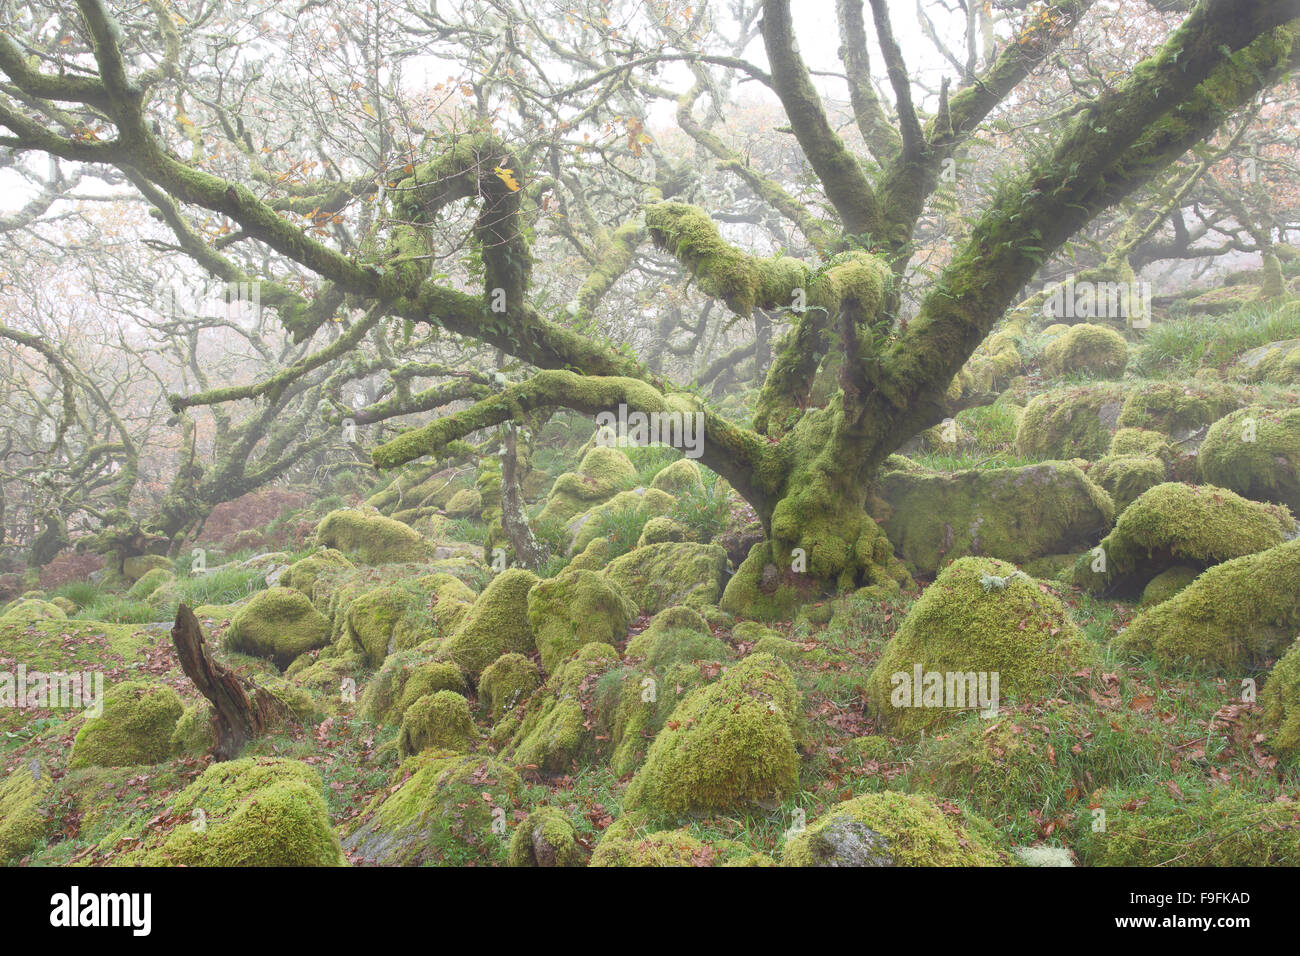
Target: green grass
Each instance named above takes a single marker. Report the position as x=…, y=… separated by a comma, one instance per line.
x=1177, y=346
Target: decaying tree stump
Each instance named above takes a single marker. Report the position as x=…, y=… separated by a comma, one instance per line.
x=243, y=710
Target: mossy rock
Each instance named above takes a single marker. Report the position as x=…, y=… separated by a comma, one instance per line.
x=576, y=608
x=1168, y=583
x=679, y=478
x=302, y=575
x=257, y=811
x=894, y=829
x=637, y=507
x=1015, y=514
x=676, y=635
x=1233, y=616
x=439, y=720
x=1256, y=453
x=598, y=553
x=32, y=610
x=66, y=605
x=1093, y=349
x=1277, y=362
x=150, y=583
x=726, y=745
x=560, y=724
x=278, y=624
x=603, y=472
x=1281, y=702
x=980, y=616
x=136, y=567
x=194, y=733
x=1140, y=443
x=634, y=841
x=1209, y=827
x=497, y=623
x=546, y=837
x=22, y=821
x=1075, y=422
x=386, y=620
x=445, y=810
x=450, y=599
x=404, y=678
x=1127, y=478
x=507, y=682
x=1178, y=409
x=370, y=537
x=466, y=503
x=1174, y=523
x=661, y=575
x=135, y=728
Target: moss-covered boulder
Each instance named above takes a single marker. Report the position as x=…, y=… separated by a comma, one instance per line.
x=561, y=723
x=661, y=529
x=1233, y=616
x=507, y=682
x=385, y=620
x=1277, y=362
x=1075, y=422
x=1256, y=453
x=1173, y=523
x=594, y=557
x=576, y=608
x=546, y=837
x=620, y=516
x=676, y=634
x=603, y=472
x=137, y=566
x=679, y=478
x=32, y=610
x=1016, y=514
x=439, y=720
x=370, y=537
x=661, y=575
x=980, y=617
x=447, y=809
x=405, y=678
x=634, y=840
x=450, y=599
x=257, y=811
x=466, y=503
x=303, y=574
x=1205, y=826
x=194, y=733
x=1168, y=583
x=151, y=582
x=497, y=623
x=1178, y=409
x=1127, y=477
x=1092, y=349
x=135, y=727
x=277, y=624
x=894, y=829
x=726, y=745
x=22, y=822
x=1281, y=702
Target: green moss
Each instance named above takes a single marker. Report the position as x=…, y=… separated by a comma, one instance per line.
x=466, y=503
x=603, y=472
x=633, y=840
x=661, y=575
x=622, y=517
x=1140, y=443
x=277, y=624
x=506, y=683
x=560, y=725
x=676, y=635
x=1233, y=616
x=370, y=537
x=1174, y=523
x=439, y=720
x=1092, y=349
x=194, y=734
x=1177, y=409
x=594, y=557
x=22, y=824
x=135, y=727
x=659, y=530
x=446, y=809
x=1210, y=826
x=1281, y=702
x=871, y=747
x=576, y=608
x=725, y=745
x=1256, y=453
x=250, y=812
x=680, y=477
x=1067, y=423
x=1168, y=583
x=135, y=568
x=385, y=620
x=965, y=624
x=546, y=837
x=1127, y=478
x=150, y=583
x=33, y=609
x=1277, y=362
x=302, y=575
x=497, y=623
x=894, y=829
x=404, y=678
x=1016, y=514
x=450, y=599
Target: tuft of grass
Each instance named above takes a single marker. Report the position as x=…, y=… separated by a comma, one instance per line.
x=1175, y=347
